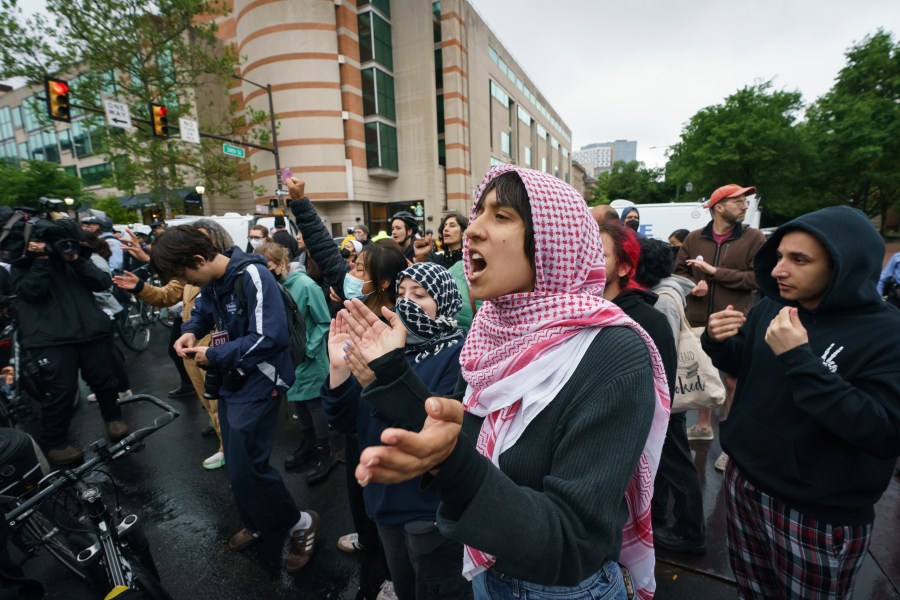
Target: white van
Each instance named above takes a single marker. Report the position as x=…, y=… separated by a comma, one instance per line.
x=236, y=224
x=658, y=221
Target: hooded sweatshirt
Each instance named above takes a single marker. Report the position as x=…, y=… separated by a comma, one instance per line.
x=257, y=334
x=818, y=427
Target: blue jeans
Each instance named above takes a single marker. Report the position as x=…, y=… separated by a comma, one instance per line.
x=605, y=584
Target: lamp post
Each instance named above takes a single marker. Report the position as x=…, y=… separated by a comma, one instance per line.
x=200, y=191
x=688, y=188
x=268, y=88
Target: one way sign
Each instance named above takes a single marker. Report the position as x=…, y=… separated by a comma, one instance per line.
x=117, y=114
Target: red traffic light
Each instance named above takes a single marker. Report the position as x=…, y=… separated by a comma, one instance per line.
x=159, y=122
x=59, y=87
x=57, y=92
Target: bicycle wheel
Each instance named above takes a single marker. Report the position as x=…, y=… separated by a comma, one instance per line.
x=145, y=582
x=133, y=331
x=40, y=532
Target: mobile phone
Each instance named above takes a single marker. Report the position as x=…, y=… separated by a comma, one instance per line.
x=286, y=174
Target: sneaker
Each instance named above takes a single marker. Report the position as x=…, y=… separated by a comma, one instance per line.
x=182, y=392
x=216, y=461
x=349, y=543
x=116, y=430
x=721, y=462
x=667, y=539
x=695, y=432
x=302, y=544
x=64, y=457
x=92, y=397
x=387, y=591
x=243, y=539
x=208, y=431
x=325, y=462
x=122, y=395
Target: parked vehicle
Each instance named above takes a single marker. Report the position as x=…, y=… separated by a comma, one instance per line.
x=658, y=221
x=237, y=225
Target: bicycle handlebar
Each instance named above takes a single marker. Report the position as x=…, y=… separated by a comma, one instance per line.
x=105, y=455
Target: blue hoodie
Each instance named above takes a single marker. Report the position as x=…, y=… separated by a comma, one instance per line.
x=257, y=335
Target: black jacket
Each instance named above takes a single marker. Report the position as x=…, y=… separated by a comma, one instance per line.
x=55, y=301
x=638, y=305
x=284, y=238
x=320, y=245
x=818, y=427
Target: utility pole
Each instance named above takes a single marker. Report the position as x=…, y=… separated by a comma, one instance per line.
x=268, y=89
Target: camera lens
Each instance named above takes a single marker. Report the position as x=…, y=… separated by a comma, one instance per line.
x=212, y=383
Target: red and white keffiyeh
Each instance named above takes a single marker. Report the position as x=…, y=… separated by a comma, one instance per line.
x=548, y=331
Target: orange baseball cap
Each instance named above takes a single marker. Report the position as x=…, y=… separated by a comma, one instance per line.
x=732, y=190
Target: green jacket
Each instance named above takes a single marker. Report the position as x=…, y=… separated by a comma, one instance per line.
x=311, y=304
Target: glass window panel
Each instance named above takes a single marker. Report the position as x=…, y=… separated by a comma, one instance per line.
x=388, y=146
x=442, y=153
x=71, y=170
x=6, y=125
x=504, y=142
x=438, y=68
x=383, y=52
x=23, y=151
x=496, y=161
x=65, y=140
x=366, y=46
x=440, y=113
x=96, y=175
x=30, y=116
x=523, y=115
x=383, y=5
x=492, y=54
x=17, y=116
x=368, y=85
x=544, y=165
x=372, y=159
x=527, y=156
x=385, y=95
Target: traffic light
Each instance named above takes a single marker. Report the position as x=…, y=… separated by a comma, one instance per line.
x=159, y=120
x=57, y=92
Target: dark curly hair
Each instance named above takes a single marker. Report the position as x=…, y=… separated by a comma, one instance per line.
x=655, y=264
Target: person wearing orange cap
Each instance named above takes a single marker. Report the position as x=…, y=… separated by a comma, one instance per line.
x=719, y=259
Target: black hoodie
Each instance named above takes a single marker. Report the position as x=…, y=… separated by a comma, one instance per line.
x=818, y=427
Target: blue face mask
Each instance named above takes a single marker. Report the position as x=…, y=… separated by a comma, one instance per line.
x=353, y=287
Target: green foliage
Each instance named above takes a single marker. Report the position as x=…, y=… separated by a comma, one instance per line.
x=856, y=127
x=114, y=210
x=632, y=181
x=138, y=51
x=25, y=186
x=750, y=139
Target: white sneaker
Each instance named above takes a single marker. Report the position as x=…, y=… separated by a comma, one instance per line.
x=387, y=591
x=349, y=543
x=721, y=462
x=92, y=397
x=216, y=461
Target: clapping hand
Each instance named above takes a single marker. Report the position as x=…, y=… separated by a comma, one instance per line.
x=126, y=281
x=369, y=334
x=409, y=454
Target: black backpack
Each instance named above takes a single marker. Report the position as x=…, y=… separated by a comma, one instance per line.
x=296, y=324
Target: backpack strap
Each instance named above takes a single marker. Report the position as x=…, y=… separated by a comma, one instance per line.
x=11, y=222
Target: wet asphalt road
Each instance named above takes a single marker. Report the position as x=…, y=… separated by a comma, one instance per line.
x=189, y=515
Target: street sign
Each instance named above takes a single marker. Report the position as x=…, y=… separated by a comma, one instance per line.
x=189, y=130
x=117, y=114
x=231, y=150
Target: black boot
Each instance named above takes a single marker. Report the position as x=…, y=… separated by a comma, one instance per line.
x=302, y=454
x=324, y=464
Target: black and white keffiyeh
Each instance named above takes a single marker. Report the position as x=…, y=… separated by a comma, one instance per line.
x=425, y=335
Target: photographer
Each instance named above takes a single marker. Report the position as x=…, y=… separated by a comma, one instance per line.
x=65, y=330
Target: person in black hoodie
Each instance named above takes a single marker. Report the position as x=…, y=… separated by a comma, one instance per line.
x=814, y=430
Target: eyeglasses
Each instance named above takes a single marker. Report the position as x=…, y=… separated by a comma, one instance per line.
x=740, y=201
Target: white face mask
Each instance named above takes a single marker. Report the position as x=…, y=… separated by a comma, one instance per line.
x=254, y=243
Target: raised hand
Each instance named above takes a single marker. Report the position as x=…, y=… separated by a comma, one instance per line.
x=372, y=337
x=296, y=187
x=133, y=247
x=364, y=375
x=786, y=332
x=127, y=281
x=408, y=454
x=725, y=324
x=422, y=248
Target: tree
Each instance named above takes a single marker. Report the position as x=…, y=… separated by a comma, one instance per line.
x=114, y=210
x=632, y=181
x=138, y=52
x=856, y=127
x=25, y=186
x=751, y=139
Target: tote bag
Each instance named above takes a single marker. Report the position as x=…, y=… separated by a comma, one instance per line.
x=697, y=381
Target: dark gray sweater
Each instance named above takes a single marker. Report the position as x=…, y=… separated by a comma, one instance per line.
x=554, y=511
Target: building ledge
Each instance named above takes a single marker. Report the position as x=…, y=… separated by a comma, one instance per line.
x=380, y=173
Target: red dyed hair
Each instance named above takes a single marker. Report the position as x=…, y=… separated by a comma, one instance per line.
x=627, y=249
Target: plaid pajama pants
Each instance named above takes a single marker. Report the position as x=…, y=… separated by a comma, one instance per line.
x=777, y=552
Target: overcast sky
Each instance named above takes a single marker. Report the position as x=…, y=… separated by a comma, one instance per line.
x=639, y=69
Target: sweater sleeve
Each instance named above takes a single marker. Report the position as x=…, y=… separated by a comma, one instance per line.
x=561, y=533
x=341, y=404
x=863, y=412
x=168, y=295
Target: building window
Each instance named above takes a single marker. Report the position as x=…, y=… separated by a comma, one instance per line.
x=442, y=153
x=381, y=146
x=29, y=115
x=9, y=154
x=553, y=143
x=527, y=156
x=544, y=165
x=6, y=125
x=71, y=170
x=378, y=93
x=440, y=114
x=438, y=69
x=383, y=5
x=375, y=40
x=16, y=117
x=542, y=133
x=496, y=161
x=500, y=94
x=504, y=142
x=523, y=115
x=42, y=146
x=23, y=151
x=96, y=175
x=436, y=17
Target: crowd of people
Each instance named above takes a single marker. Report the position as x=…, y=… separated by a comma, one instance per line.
x=505, y=393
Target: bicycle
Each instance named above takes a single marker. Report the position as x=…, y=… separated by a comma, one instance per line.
x=20, y=393
x=114, y=551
